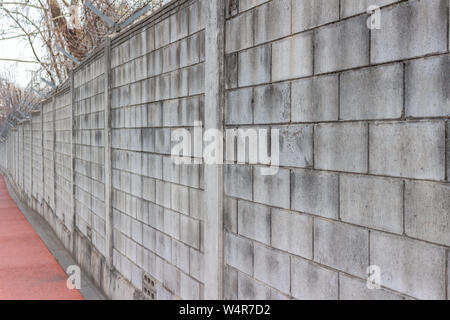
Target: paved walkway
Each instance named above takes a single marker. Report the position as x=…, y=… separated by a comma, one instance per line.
x=27, y=268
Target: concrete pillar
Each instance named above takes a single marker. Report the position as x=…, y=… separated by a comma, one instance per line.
x=72, y=108
x=108, y=156
x=214, y=105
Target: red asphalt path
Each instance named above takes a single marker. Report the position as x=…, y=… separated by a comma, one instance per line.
x=28, y=271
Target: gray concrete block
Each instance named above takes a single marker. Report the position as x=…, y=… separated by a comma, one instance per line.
x=272, y=21
x=309, y=14
x=296, y=145
x=249, y=289
x=239, y=107
x=239, y=32
x=196, y=264
x=149, y=238
x=341, y=246
x=190, y=231
x=413, y=267
x=315, y=193
x=230, y=214
x=427, y=211
x=292, y=57
x=406, y=31
x=343, y=45
x=180, y=199
x=414, y=150
x=248, y=4
x=311, y=281
x=315, y=99
x=355, y=289
x=341, y=147
x=273, y=190
x=372, y=202
x=163, y=246
x=180, y=255
x=352, y=7
x=372, y=93
x=254, y=66
x=196, y=204
x=190, y=289
x=231, y=71
x=273, y=267
x=172, y=223
x=272, y=103
x=238, y=181
x=292, y=232
x=196, y=79
x=230, y=283
x=427, y=89
x=162, y=33
x=254, y=221
x=238, y=253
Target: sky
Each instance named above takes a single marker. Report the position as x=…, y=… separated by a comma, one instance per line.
x=16, y=49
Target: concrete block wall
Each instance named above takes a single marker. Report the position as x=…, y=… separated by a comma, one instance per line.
x=157, y=87
x=36, y=161
x=89, y=108
x=48, y=156
x=363, y=119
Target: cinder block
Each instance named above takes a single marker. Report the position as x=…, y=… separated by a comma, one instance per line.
x=171, y=276
x=239, y=32
x=272, y=21
x=248, y=4
x=238, y=253
x=272, y=103
x=190, y=231
x=292, y=57
x=315, y=99
x=343, y=45
x=406, y=31
x=180, y=199
x=254, y=221
x=352, y=7
x=239, y=107
x=372, y=202
x=427, y=211
x=413, y=267
x=254, y=66
x=230, y=214
x=273, y=267
x=341, y=147
x=272, y=190
x=149, y=238
x=413, y=150
x=238, y=181
x=196, y=205
x=196, y=264
x=189, y=288
x=296, y=145
x=163, y=246
x=172, y=223
x=292, y=232
x=309, y=14
x=355, y=289
x=427, y=89
x=162, y=33
x=313, y=282
x=230, y=284
x=231, y=71
x=372, y=93
x=249, y=289
x=180, y=255
x=341, y=246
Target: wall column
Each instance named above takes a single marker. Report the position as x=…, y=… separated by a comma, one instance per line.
x=108, y=156
x=214, y=104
